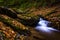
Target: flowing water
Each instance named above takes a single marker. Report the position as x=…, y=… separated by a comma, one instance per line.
x=43, y=26
x=46, y=31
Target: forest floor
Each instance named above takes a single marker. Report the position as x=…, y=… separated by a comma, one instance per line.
x=23, y=32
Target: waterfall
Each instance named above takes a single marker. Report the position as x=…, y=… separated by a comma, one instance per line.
x=43, y=26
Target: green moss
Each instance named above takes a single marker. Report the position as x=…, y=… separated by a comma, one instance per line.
x=25, y=4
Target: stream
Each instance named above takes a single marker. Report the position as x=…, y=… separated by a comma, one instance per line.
x=43, y=26
x=46, y=31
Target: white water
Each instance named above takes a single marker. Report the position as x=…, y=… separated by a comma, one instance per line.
x=42, y=26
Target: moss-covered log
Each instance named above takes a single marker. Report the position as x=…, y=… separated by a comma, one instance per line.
x=15, y=28
x=6, y=11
